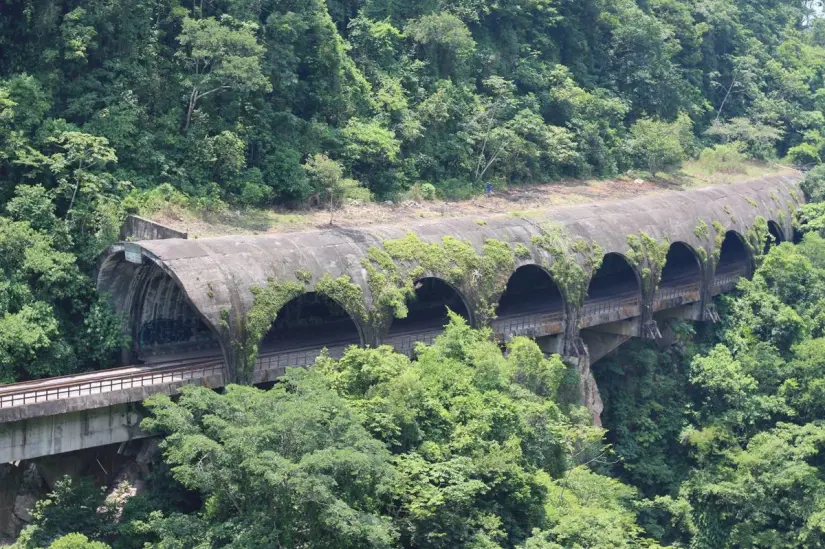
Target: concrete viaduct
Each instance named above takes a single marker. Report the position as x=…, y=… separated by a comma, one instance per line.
x=188, y=304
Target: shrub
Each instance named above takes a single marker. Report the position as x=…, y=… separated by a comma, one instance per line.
x=814, y=184
x=728, y=158
x=804, y=154
x=656, y=145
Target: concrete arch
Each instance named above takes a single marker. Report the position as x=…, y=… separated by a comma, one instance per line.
x=311, y=321
x=776, y=232
x=530, y=290
x=217, y=274
x=157, y=313
x=735, y=256
x=616, y=277
x=682, y=266
x=427, y=311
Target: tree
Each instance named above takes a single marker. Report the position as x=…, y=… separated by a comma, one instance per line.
x=218, y=56
x=297, y=452
x=331, y=187
x=657, y=145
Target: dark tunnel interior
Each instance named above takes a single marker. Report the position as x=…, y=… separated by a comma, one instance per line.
x=681, y=266
x=614, y=279
x=734, y=256
x=530, y=290
x=428, y=309
x=775, y=236
x=164, y=320
x=311, y=320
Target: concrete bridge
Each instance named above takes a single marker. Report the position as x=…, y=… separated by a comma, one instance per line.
x=191, y=306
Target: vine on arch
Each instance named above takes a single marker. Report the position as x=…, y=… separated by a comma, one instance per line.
x=648, y=256
x=756, y=236
x=718, y=240
x=393, y=270
x=267, y=302
x=568, y=273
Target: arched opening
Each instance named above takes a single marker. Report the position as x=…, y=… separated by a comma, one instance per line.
x=164, y=322
x=734, y=257
x=682, y=267
x=530, y=290
x=614, y=279
x=775, y=237
x=311, y=321
x=428, y=308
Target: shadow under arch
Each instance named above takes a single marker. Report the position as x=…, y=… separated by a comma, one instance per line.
x=160, y=318
x=427, y=310
x=614, y=279
x=530, y=290
x=775, y=236
x=682, y=266
x=311, y=321
x=734, y=257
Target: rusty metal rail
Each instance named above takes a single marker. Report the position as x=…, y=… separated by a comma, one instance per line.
x=609, y=305
x=527, y=322
x=727, y=278
x=665, y=294
x=11, y=396
x=269, y=364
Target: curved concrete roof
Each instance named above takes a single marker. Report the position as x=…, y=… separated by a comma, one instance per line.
x=217, y=273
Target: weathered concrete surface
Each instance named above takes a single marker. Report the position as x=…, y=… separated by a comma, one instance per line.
x=68, y=432
x=217, y=274
x=138, y=228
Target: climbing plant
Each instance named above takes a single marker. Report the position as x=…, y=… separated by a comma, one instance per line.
x=718, y=240
x=574, y=262
x=389, y=288
x=701, y=230
x=483, y=276
x=346, y=293
x=756, y=237
x=267, y=302
x=648, y=256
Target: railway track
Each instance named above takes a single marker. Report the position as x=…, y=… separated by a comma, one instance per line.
x=275, y=361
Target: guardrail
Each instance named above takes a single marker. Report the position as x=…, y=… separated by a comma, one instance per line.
x=664, y=294
x=607, y=306
x=405, y=344
x=77, y=385
x=526, y=322
x=727, y=278
x=10, y=398
x=293, y=359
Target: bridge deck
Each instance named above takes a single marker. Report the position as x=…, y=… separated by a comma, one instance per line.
x=273, y=364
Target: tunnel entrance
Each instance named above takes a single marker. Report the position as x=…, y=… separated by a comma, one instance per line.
x=164, y=322
x=734, y=257
x=428, y=309
x=681, y=268
x=615, y=279
x=530, y=290
x=774, y=236
x=311, y=321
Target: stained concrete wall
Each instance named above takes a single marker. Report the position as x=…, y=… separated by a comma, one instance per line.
x=68, y=432
x=138, y=228
x=217, y=274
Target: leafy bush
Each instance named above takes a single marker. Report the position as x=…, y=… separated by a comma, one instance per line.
x=804, y=154
x=728, y=158
x=814, y=184
x=656, y=145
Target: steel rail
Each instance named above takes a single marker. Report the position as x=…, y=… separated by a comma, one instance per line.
x=190, y=370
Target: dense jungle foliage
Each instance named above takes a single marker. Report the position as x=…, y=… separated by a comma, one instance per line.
x=112, y=106
x=715, y=442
